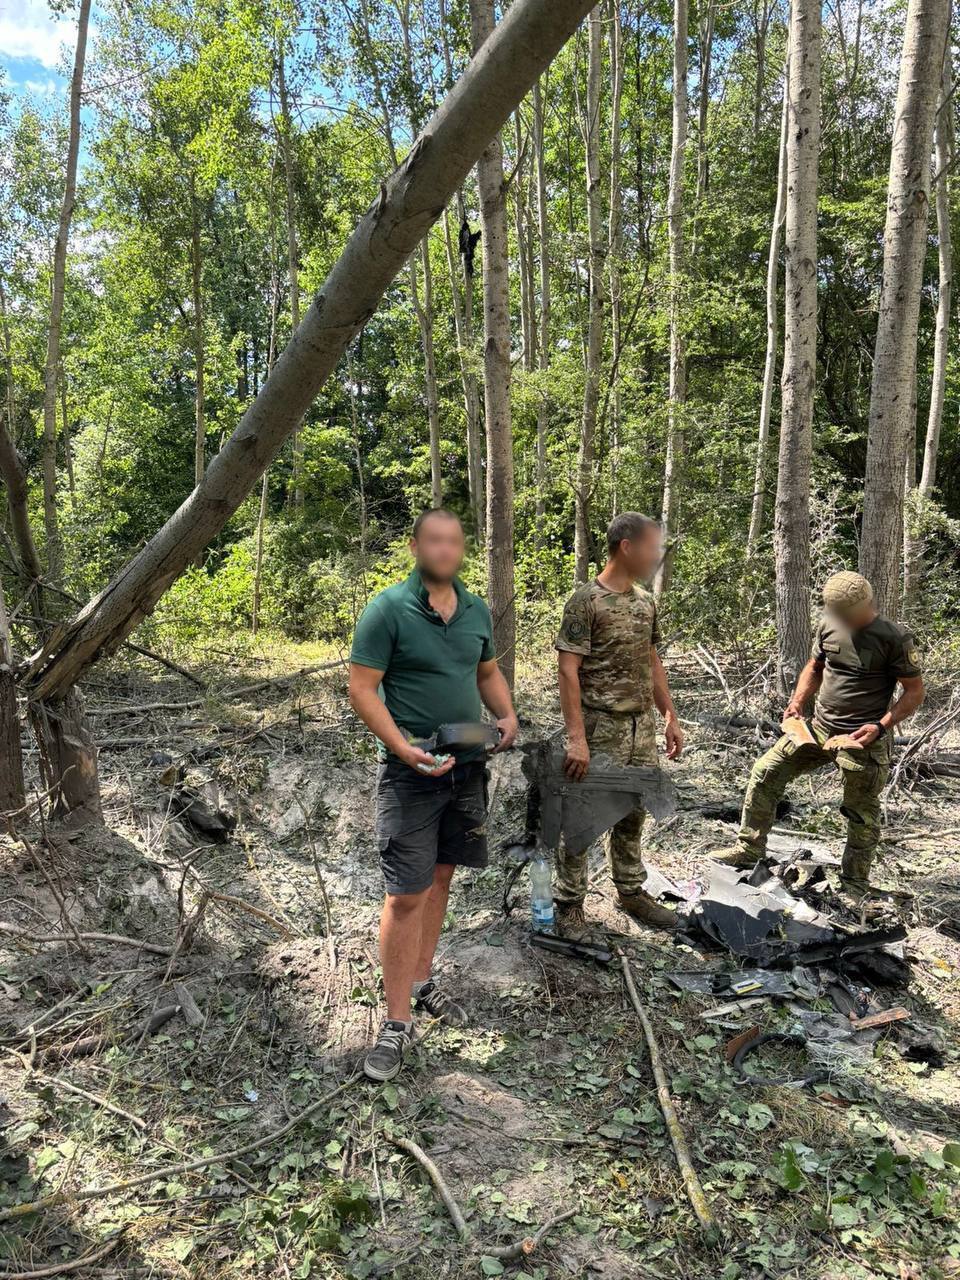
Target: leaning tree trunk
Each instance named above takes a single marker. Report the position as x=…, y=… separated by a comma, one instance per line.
x=52, y=365
x=791, y=535
x=496, y=375
x=543, y=228
x=593, y=355
x=770, y=362
x=943, y=159
x=678, y=355
x=944, y=162
x=199, y=354
x=409, y=202
x=893, y=391
x=12, y=792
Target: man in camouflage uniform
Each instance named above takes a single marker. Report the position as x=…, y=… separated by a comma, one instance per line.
x=858, y=660
x=611, y=680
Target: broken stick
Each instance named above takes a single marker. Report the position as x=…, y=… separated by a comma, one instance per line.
x=692, y=1183
x=521, y=1248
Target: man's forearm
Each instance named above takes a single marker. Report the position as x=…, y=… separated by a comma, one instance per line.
x=571, y=705
x=374, y=714
x=661, y=689
x=810, y=680
x=495, y=693
x=904, y=707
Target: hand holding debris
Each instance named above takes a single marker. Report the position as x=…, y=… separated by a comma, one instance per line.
x=576, y=761
x=798, y=731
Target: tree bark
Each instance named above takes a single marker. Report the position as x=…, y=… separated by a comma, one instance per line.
x=496, y=371
x=615, y=238
x=463, y=324
x=593, y=350
x=68, y=757
x=196, y=277
x=893, y=391
x=678, y=355
x=791, y=537
x=410, y=201
x=424, y=314
x=543, y=228
x=12, y=792
x=285, y=137
x=944, y=160
x=706, y=27
x=770, y=361
x=52, y=365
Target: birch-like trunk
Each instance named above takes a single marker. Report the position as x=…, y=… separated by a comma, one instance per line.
x=615, y=240
x=496, y=376
x=408, y=203
x=791, y=535
x=943, y=162
x=463, y=324
x=678, y=355
x=52, y=365
x=196, y=277
x=593, y=351
x=284, y=128
x=893, y=392
x=543, y=228
x=770, y=361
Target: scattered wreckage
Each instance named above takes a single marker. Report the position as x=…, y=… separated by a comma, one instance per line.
x=826, y=974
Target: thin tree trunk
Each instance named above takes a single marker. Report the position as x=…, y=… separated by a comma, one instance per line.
x=12, y=792
x=521, y=46
x=543, y=226
x=527, y=327
x=11, y=398
x=762, y=11
x=678, y=355
x=593, y=352
x=615, y=238
x=52, y=365
x=943, y=163
x=468, y=379
x=770, y=362
x=424, y=314
x=67, y=441
x=196, y=275
x=15, y=479
x=358, y=458
x=707, y=22
x=496, y=369
x=893, y=392
x=285, y=137
x=791, y=537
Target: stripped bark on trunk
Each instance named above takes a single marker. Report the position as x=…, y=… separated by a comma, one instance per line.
x=52, y=365
x=496, y=379
x=893, y=392
x=791, y=535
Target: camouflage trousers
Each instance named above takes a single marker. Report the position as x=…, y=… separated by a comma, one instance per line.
x=625, y=739
x=864, y=773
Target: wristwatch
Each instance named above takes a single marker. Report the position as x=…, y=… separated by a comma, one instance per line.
x=880, y=728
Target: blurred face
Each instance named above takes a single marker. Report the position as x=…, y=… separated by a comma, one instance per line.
x=641, y=555
x=860, y=616
x=439, y=548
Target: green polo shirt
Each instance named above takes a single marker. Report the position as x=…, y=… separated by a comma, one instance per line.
x=429, y=666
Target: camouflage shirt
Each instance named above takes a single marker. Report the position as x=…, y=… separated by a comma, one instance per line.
x=614, y=631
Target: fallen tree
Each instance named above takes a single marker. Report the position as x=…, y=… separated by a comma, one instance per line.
x=410, y=201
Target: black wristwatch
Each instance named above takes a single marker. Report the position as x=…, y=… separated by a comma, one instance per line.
x=880, y=728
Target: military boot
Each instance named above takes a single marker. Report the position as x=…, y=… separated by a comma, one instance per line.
x=570, y=922
x=646, y=910
x=855, y=873
x=735, y=857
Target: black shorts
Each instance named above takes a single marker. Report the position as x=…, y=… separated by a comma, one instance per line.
x=422, y=821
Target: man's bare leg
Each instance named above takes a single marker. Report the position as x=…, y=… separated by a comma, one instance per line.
x=434, y=911
x=401, y=927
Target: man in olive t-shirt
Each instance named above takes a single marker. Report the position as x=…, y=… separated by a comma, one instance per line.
x=857, y=661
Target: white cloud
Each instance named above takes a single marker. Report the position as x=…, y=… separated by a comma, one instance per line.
x=42, y=88
x=29, y=30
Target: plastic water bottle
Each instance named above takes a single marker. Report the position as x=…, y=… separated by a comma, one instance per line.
x=541, y=893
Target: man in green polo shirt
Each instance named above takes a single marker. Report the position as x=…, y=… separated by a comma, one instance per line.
x=423, y=656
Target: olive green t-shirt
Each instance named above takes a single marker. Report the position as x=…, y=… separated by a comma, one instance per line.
x=861, y=670
x=614, y=631
x=429, y=666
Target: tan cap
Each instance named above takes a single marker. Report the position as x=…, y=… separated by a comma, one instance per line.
x=845, y=591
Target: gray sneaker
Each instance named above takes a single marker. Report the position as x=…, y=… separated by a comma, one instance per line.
x=432, y=1000
x=385, y=1058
